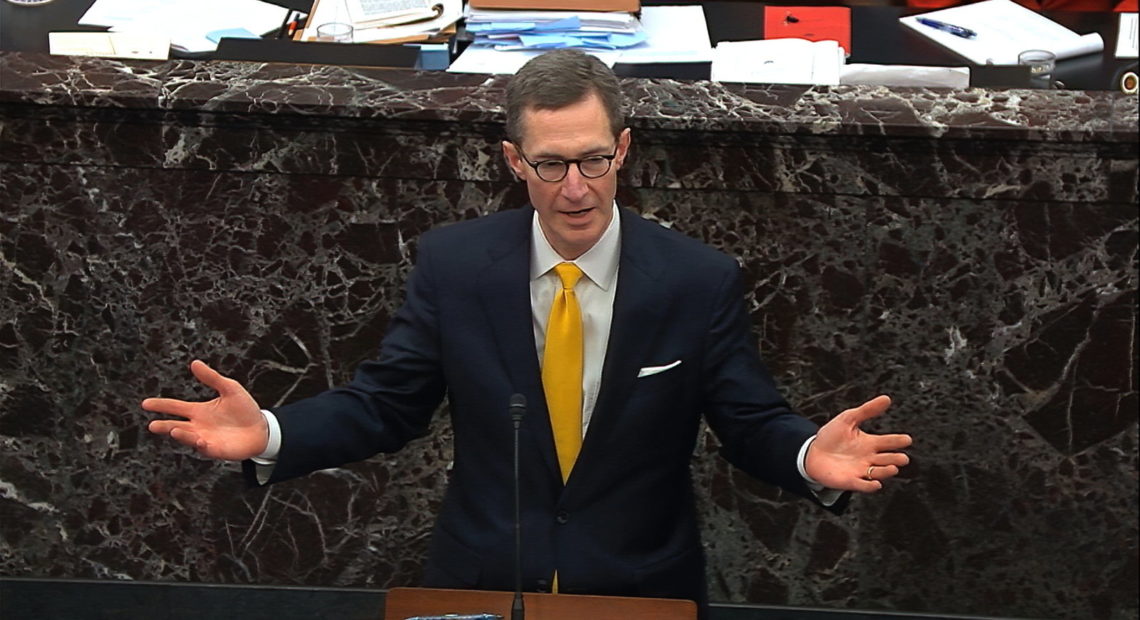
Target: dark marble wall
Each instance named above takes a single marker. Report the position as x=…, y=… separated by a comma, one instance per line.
x=972, y=253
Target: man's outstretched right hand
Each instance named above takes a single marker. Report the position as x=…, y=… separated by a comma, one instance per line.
x=229, y=427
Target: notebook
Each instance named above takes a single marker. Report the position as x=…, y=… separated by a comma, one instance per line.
x=1004, y=30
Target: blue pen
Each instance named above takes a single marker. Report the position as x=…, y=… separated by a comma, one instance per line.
x=957, y=31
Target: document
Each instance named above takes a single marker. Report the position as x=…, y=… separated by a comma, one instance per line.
x=672, y=34
x=110, y=45
x=1127, y=40
x=612, y=21
x=373, y=13
x=778, y=61
x=326, y=11
x=185, y=22
x=110, y=13
x=550, y=34
x=534, y=30
x=629, y=6
x=904, y=75
x=1003, y=30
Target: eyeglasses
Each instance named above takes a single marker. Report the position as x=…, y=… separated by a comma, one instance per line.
x=554, y=170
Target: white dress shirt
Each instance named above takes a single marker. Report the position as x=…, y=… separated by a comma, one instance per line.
x=595, y=293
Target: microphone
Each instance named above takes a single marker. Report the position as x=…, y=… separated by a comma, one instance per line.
x=517, y=409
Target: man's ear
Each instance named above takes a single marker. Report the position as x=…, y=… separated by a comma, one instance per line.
x=514, y=161
x=624, y=139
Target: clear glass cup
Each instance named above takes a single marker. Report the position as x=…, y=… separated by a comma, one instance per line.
x=335, y=32
x=1041, y=64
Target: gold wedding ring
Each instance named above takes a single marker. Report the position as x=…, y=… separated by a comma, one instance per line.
x=869, y=470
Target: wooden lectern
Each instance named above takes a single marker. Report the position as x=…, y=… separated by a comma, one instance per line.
x=404, y=603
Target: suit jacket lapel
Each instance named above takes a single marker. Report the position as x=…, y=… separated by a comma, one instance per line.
x=638, y=316
x=504, y=294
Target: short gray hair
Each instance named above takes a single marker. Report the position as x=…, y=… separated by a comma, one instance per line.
x=557, y=79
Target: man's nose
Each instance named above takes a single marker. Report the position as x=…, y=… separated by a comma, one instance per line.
x=574, y=186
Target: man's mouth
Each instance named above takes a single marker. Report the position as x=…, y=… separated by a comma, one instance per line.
x=578, y=212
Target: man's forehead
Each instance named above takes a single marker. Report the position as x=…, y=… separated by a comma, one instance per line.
x=572, y=126
x=580, y=146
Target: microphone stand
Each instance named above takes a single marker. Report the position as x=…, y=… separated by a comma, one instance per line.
x=517, y=409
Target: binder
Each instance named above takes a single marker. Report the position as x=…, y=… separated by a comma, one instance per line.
x=814, y=23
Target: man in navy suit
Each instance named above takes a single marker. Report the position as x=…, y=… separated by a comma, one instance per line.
x=665, y=338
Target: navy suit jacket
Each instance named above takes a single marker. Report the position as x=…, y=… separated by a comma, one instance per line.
x=624, y=523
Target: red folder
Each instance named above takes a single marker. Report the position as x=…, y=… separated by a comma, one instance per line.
x=814, y=23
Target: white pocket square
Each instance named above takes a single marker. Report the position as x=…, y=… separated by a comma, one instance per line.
x=653, y=370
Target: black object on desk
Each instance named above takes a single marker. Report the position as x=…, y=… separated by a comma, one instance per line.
x=317, y=52
x=672, y=70
x=303, y=6
x=1000, y=76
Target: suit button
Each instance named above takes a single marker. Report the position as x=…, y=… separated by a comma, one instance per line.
x=562, y=517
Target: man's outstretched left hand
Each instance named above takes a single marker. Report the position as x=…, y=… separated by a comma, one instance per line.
x=845, y=458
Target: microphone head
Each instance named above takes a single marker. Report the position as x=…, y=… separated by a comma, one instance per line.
x=517, y=406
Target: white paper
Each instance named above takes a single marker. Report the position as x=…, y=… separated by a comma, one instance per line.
x=905, y=75
x=827, y=60
x=674, y=34
x=1127, y=40
x=117, y=12
x=109, y=45
x=389, y=12
x=609, y=21
x=185, y=22
x=480, y=59
x=1005, y=29
x=328, y=11
x=778, y=61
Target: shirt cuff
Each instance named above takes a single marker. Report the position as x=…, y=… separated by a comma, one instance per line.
x=273, y=447
x=264, y=463
x=825, y=495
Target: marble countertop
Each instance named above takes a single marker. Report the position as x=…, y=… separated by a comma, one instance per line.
x=661, y=104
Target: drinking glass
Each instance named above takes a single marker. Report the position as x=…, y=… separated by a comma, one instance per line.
x=336, y=32
x=1041, y=64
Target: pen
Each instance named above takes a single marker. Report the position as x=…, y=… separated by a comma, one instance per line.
x=957, y=31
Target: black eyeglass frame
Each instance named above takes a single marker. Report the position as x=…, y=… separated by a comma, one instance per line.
x=566, y=164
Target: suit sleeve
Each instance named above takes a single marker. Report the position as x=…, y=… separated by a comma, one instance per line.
x=758, y=431
x=388, y=403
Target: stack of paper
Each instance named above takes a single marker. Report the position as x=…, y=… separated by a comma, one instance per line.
x=1003, y=30
x=187, y=23
x=447, y=13
x=778, y=61
x=904, y=75
x=505, y=30
x=672, y=34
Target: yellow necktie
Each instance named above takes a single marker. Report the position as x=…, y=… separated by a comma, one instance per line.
x=562, y=369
